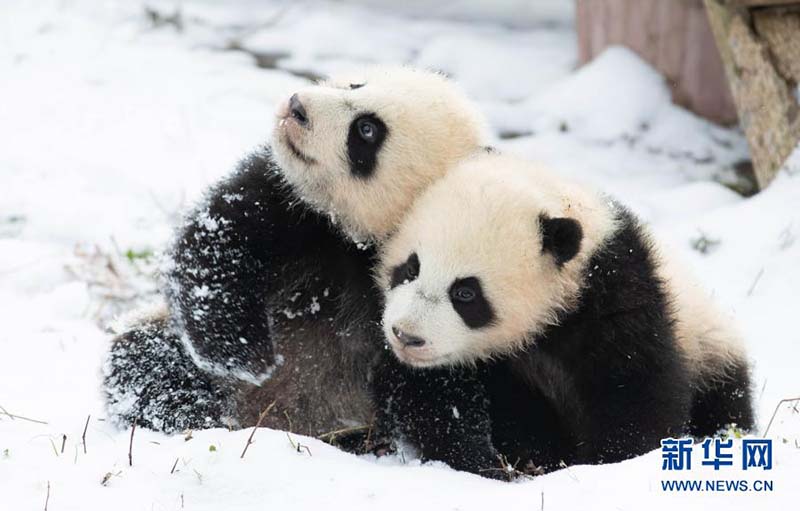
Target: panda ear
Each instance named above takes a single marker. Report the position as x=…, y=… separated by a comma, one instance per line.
x=561, y=237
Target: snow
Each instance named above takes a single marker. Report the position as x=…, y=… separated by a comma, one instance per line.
x=111, y=127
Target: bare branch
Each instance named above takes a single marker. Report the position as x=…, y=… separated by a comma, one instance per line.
x=258, y=424
x=13, y=417
x=130, y=445
x=85, y=427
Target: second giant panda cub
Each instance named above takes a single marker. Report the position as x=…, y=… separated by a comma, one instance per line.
x=555, y=331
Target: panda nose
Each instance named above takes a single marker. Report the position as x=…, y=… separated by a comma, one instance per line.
x=297, y=110
x=410, y=341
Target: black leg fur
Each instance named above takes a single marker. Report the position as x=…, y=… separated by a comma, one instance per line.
x=725, y=402
x=151, y=379
x=250, y=258
x=442, y=412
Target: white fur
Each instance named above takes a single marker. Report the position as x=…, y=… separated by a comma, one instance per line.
x=431, y=126
x=709, y=339
x=481, y=220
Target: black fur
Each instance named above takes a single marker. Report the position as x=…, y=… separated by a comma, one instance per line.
x=442, y=412
x=606, y=384
x=251, y=258
x=561, y=237
x=262, y=247
x=150, y=367
x=724, y=402
x=363, y=150
x=406, y=272
x=475, y=311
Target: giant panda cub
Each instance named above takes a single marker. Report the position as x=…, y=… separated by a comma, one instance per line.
x=269, y=280
x=555, y=331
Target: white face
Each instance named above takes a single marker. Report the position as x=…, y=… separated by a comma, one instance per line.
x=434, y=316
x=363, y=147
x=468, y=276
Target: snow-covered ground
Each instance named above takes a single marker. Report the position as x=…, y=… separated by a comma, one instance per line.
x=112, y=120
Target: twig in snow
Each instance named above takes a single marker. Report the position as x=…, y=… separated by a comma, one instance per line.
x=130, y=445
x=753, y=286
x=85, y=427
x=506, y=468
x=13, y=417
x=704, y=244
x=63, y=443
x=47, y=499
x=775, y=412
x=174, y=465
x=108, y=476
x=289, y=420
x=542, y=508
x=330, y=436
x=297, y=446
x=569, y=472
x=258, y=424
x=53, y=444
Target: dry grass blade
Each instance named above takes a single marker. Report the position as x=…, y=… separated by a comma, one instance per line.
x=258, y=424
x=20, y=417
x=775, y=412
x=330, y=436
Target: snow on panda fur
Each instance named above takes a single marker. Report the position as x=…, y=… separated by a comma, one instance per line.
x=538, y=321
x=269, y=280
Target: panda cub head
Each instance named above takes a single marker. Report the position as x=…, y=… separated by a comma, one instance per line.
x=363, y=146
x=486, y=259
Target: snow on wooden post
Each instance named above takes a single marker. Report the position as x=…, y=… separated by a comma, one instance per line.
x=759, y=41
x=673, y=36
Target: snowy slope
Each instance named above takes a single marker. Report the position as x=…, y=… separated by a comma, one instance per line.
x=110, y=125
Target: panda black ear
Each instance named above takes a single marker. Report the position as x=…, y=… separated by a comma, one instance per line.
x=561, y=237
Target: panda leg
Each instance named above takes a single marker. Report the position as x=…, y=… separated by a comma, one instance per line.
x=442, y=412
x=722, y=403
x=151, y=379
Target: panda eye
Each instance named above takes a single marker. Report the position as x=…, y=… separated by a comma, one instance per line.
x=367, y=130
x=463, y=294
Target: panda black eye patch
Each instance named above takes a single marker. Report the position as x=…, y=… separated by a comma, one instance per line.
x=406, y=272
x=364, y=139
x=469, y=302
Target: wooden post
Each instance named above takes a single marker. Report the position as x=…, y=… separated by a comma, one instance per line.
x=759, y=41
x=673, y=36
